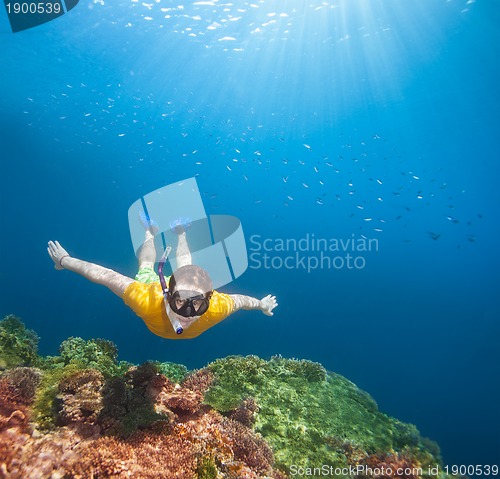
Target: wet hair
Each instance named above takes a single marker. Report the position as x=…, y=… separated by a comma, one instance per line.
x=193, y=275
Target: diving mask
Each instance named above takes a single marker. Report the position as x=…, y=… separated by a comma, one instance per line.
x=189, y=303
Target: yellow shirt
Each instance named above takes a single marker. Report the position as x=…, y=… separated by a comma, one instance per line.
x=146, y=300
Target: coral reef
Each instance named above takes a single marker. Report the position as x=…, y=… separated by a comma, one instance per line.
x=83, y=414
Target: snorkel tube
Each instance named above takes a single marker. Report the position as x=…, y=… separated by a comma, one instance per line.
x=175, y=323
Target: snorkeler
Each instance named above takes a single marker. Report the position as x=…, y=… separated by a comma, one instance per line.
x=181, y=306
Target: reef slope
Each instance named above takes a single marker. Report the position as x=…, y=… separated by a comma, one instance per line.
x=84, y=414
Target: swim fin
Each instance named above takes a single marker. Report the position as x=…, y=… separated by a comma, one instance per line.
x=180, y=225
x=148, y=223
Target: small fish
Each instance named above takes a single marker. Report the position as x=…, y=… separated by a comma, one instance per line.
x=453, y=220
x=305, y=185
x=434, y=236
x=307, y=146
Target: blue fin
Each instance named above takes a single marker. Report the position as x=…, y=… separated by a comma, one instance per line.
x=148, y=223
x=180, y=225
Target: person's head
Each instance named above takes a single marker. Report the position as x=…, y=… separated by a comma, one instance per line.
x=190, y=290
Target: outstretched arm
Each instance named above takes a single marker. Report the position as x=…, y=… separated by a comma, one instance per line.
x=116, y=282
x=266, y=305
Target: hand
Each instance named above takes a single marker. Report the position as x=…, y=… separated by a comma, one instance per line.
x=267, y=304
x=57, y=253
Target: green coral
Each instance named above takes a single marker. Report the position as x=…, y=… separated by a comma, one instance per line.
x=18, y=345
x=99, y=354
x=140, y=417
x=44, y=406
x=206, y=468
x=173, y=371
x=301, y=408
x=240, y=377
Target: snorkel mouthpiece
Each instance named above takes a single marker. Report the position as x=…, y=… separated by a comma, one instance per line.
x=176, y=325
x=174, y=322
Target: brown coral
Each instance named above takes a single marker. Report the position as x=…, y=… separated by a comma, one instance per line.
x=247, y=446
x=173, y=399
x=401, y=465
x=179, y=400
x=17, y=388
x=81, y=399
x=142, y=456
x=43, y=457
x=25, y=380
x=245, y=412
x=199, y=381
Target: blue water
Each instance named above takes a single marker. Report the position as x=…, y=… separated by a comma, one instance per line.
x=350, y=119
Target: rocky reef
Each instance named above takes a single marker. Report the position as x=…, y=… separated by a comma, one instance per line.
x=83, y=414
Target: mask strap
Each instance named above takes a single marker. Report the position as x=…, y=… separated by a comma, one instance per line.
x=175, y=323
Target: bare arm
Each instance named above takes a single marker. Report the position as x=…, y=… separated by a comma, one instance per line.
x=266, y=305
x=116, y=282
